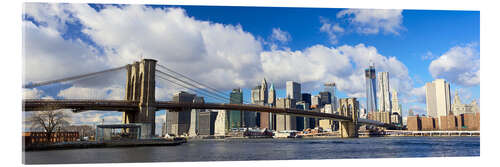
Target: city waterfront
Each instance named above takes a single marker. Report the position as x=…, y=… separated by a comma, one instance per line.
x=269, y=149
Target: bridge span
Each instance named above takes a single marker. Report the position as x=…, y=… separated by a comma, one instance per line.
x=140, y=105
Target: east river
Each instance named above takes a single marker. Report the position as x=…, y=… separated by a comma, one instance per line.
x=268, y=149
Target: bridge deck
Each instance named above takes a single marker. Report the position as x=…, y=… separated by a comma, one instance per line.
x=124, y=105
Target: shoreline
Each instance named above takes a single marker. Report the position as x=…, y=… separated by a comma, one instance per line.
x=164, y=142
x=110, y=144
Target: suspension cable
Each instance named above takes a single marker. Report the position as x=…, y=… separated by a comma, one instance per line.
x=194, y=90
x=192, y=85
x=71, y=78
x=213, y=89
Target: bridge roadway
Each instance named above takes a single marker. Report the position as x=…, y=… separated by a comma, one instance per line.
x=124, y=105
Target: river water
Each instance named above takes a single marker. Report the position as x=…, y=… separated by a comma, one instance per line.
x=268, y=149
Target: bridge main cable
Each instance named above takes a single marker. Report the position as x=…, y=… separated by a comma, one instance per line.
x=194, y=90
x=71, y=78
x=217, y=92
x=192, y=85
x=208, y=87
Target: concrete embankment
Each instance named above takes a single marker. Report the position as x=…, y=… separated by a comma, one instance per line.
x=93, y=144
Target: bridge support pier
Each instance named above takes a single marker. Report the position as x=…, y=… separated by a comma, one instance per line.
x=348, y=129
x=349, y=107
x=141, y=87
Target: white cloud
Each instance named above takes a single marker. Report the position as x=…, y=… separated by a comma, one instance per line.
x=344, y=65
x=32, y=93
x=108, y=93
x=428, y=56
x=333, y=30
x=280, y=35
x=196, y=48
x=373, y=21
x=459, y=65
x=46, y=53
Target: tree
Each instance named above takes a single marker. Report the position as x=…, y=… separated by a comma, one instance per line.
x=49, y=121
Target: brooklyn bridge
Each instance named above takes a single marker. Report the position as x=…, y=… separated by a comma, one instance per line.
x=139, y=104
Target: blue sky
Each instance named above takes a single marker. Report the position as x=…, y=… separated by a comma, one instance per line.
x=231, y=47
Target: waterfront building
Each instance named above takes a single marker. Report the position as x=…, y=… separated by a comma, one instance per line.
x=221, y=123
x=236, y=116
x=250, y=117
x=383, y=95
x=285, y=122
x=293, y=90
x=384, y=117
x=207, y=123
x=327, y=125
x=195, y=114
x=306, y=121
x=437, y=98
x=458, y=107
x=371, y=90
x=178, y=122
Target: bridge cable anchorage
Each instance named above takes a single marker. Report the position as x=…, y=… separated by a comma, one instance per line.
x=28, y=86
x=194, y=90
x=201, y=84
x=226, y=99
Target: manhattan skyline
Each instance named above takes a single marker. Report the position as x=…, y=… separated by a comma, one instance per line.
x=237, y=47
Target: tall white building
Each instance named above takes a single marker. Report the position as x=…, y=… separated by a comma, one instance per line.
x=395, y=103
x=396, y=115
x=195, y=114
x=461, y=108
x=293, y=90
x=437, y=98
x=371, y=89
x=221, y=123
x=384, y=100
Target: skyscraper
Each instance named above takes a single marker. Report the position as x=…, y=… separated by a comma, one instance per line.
x=325, y=98
x=271, y=101
x=330, y=87
x=293, y=90
x=396, y=109
x=371, y=90
x=263, y=91
x=235, y=116
x=395, y=103
x=195, y=115
x=383, y=95
x=306, y=97
x=272, y=96
x=437, y=99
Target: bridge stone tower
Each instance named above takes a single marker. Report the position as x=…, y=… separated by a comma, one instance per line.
x=141, y=87
x=349, y=107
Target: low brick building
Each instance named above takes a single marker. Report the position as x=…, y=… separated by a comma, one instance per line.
x=413, y=123
x=55, y=137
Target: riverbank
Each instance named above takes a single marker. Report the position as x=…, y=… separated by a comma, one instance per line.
x=106, y=144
